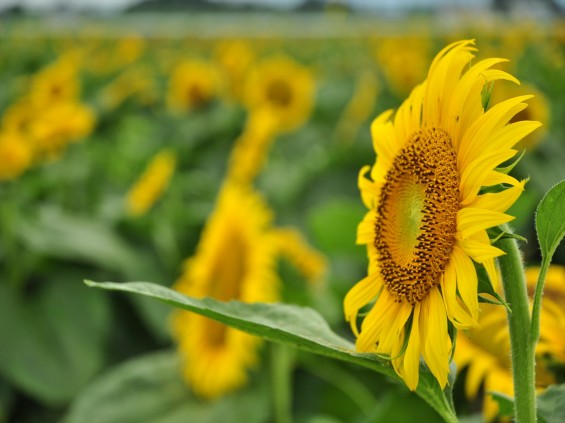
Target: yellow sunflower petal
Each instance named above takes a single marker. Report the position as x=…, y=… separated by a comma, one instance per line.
x=500, y=201
x=460, y=318
x=467, y=282
x=358, y=297
x=471, y=220
x=411, y=363
x=436, y=344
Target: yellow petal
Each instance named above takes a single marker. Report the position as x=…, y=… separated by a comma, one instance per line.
x=360, y=295
x=479, y=251
x=467, y=283
x=436, y=344
x=366, y=229
x=500, y=201
x=471, y=220
x=460, y=318
x=474, y=174
x=411, y=363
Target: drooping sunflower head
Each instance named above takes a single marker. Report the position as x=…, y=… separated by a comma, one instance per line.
x=193, y=84
x=284, y=87
x=428, y=211
x=235, y=260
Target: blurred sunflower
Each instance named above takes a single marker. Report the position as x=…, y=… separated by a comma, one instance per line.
x=485, y=350
x=283, y=87
x=15, y=155
x=151, y=184
x=235, y=260
x=59, y=125
x=57, y=82
x=538, y=110
x=193, y=84
x=427, y=217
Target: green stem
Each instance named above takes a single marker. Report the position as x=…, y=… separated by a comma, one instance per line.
x=536, y=308
x=281, y=368
x=516, y=294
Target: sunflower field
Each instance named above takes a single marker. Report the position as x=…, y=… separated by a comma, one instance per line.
x=310, y=219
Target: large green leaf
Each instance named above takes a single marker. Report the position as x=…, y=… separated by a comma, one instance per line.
x=149, y=389
x=550, y=220
x=301, y=327
x=551, y=404
x=55, y=233
x=52, y=339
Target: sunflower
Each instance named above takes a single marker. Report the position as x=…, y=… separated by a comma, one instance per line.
x=59, y=125
x=57, y=82
x=235, y=259
x=485, y=350
x=152, y=183
x=283, y=87
x=193, y=84
x=427, y=217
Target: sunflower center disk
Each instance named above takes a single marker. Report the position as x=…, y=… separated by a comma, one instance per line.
x=279, y=93
x=417, y=215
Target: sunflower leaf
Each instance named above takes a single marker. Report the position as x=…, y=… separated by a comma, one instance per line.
x=550, y=225
x=550, y=228
x=300, y=327
x=551, y=404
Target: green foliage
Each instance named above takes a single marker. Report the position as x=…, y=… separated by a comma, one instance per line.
x=55, y=338
x=300, y=327
x=149, y=389
x=551, y=404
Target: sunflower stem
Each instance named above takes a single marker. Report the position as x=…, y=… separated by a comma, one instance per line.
x=282, y=358
x=523, y=370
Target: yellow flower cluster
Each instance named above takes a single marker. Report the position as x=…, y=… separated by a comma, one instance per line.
x=45, y=120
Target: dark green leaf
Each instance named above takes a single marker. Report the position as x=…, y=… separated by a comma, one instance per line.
x=52, y=341
x=550, y=220
x=297, y=326
x=551, y=404
x=61, y=235
x=149, y=389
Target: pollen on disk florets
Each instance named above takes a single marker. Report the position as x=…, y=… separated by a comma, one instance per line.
x=417, y=215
